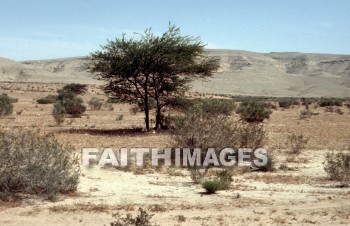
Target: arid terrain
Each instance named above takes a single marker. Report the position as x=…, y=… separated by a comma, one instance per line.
x=300, y=193
x=240, y=73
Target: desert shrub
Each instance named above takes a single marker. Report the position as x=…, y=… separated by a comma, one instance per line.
x=113, y=100
x=323, y=102
x=268, y=167
x=95, y=103
x=142, y=219
x=74, y=88
x=179, y=103
x=226, y=177
x=304, y=114
x=198, y=129
x=6, y=106
x=50, y=99
x=119, y=117
x=252, y=111
x=71, y=103
x=197, y=174
x=217, y=106
x=297, y=143
x=58, y=112
x=287, y=103
x=213, y=185
x=36, y=164
x=134, y=109
x=337, y=166
x=329, y=109
x=339, y=111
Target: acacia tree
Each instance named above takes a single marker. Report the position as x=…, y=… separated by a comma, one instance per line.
x=158, y=67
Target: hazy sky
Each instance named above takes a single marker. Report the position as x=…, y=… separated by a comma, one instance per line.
x=40, y=29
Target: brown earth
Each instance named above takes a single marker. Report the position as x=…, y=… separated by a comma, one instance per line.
x=302, y=196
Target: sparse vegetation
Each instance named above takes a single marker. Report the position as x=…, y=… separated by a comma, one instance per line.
x=37, y=164
x=268, y=167
x=337, y=166
x=6, y=106
x=50, y=99
x=287, y=102
x=213, y=185
x=297, y=143
x=142, y=219
x=253, y=112
x=324, y=102
x=76, y=88
x=95, y=103
x=304, y=114
x=68, y=103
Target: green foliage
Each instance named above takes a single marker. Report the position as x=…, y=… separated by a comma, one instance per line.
x=226, y=177
x=95, y=103
x=324, y=102
x=337, y=166
x=74, y=88
x=287, y=102
x=6, y=106
x=71, y=103
x=157, y=67
x=113, y=100
x=36, y=164
x=143, y=219
x=297, y=143
x=217, y=106
x=213, y=185
x=253, y=112
x=50, y=99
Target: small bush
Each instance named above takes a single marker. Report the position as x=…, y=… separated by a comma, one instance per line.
x=217, y=106
x=268, y=167
x=143, y=219
x=36, y=164
x=304, y=114
x=324, y=102
x=226, y=177
x=197, y=174
x=211, y=186
x=72, y=104
x=134, y=109
x=50, y=99
x=74, y=88
x=120, y=117
x=112, y=100
x=58, y=113
x=255, y=112
x=6, y=106
x=297, y=143
x=329, y=109
x=337, y=166
x=287, y=103
x=339, y=111
x=95, y=103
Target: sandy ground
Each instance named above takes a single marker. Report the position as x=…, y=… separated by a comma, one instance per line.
x=301, y=196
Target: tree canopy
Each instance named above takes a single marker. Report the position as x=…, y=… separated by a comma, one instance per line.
x=152, y=67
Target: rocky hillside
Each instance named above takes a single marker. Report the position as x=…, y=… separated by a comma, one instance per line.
x=241, y=73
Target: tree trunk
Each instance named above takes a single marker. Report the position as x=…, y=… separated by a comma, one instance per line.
x=146, y=108
x=158, y=116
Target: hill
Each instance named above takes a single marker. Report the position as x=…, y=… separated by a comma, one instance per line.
x=240, y=73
